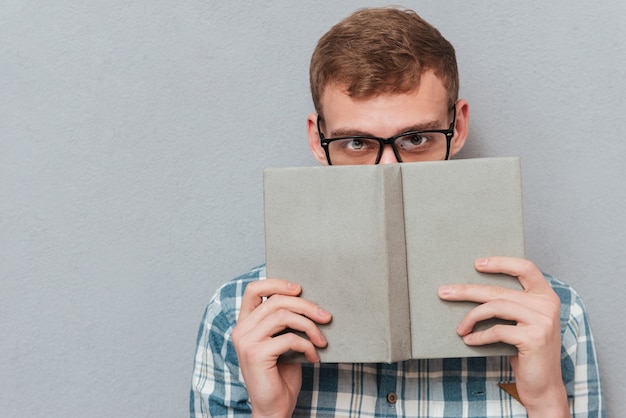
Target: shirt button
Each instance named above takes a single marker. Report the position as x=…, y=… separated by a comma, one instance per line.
x=392, y=397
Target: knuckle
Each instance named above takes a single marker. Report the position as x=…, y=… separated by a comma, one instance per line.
x=253, y=291
x=544, y=331
x=274, y=303
x=282, y=316
x=527, y=267
x=460, y=290
x=552, y=305
x=293, y=339
x=235, y=333
x=238, y=341
x=253, y=356
x=276, y=299
x=238, y=338
x=252, y=287
x=556, y=301
x=496, y=332
x=538, y=335
x=499, y=292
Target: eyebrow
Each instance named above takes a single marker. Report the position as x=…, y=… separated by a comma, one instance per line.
x=424, y=126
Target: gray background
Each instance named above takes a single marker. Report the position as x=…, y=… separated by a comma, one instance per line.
x=132, y=141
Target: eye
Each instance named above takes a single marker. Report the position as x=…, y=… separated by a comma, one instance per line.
x=413, y=142
x=356, y=145
x=417, y=140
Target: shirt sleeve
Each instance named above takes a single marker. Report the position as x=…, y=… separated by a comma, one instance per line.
x=217, y=388
x=578, y=355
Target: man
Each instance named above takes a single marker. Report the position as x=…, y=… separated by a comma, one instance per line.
x=385, y=89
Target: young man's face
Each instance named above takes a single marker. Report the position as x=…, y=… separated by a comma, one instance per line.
x=388, y=115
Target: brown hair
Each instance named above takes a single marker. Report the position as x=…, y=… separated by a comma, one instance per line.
x=382, y=50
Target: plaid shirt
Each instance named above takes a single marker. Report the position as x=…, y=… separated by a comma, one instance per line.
x=461, y=387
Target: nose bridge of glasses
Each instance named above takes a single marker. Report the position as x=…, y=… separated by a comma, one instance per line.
x=388, y=154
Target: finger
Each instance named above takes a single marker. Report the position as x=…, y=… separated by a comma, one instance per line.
x=479, y=293
x=284, y=319
x=531, y=328
x=500, y=333
x=273, y=348
x=527, y=339
x=502, y=309
x=491, y=297
x=293, y=342
x=528, y=274
x=256, y=291
x=475, y=293
x=296, y=305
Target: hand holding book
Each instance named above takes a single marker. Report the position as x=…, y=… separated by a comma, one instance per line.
x=269, y=307
x=535, y=330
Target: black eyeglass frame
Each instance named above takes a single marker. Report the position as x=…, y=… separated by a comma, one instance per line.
x=325, y=142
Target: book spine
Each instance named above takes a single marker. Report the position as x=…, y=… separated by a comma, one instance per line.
x=395, y=242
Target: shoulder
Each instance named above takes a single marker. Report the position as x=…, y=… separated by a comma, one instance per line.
x=221, y=313
x=216, y=383
x=235, y=287
x=220, y=317
x=573, y=310
x=227, y=298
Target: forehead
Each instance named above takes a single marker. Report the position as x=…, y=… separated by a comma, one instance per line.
x=385, y=114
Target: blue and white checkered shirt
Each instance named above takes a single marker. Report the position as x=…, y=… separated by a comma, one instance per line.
x=461, y=387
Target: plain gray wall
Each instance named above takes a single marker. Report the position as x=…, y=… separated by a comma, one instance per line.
x=133, y=138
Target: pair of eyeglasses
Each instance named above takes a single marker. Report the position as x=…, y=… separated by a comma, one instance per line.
x=412, y=146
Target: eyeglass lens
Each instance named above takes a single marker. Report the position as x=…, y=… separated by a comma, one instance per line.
x=411, y=147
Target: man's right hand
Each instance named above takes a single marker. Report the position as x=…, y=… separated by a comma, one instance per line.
x=269, y=307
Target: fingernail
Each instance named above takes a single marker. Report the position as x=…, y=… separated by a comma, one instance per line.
x=445, y=290
x=482, y=262
x=323, y=312
x=292, y=286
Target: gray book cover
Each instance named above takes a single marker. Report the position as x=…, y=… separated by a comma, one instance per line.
x=371, y=244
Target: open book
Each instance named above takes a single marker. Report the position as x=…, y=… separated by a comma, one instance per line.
x=372, y=244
